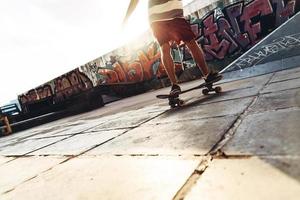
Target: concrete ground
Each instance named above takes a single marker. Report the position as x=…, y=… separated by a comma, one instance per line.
x=240, y=144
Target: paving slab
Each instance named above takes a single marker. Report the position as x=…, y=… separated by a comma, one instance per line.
x=132, y=112
x=277, y=100
x=58, y=131
x=74, y=128
x=268, y=133
x=62, y=128
x=20, y=170
x=251, y=178
x=290, y=165
x=243, y=88
x=3, y=144
x=79, y=143
x=142, y=103
x=22, y=135
x=146, y=110
x=128, y=121
x=286, y=75
x=281, y=86
x=4, y=159
x=198, y=111
x=36, y=132
x=28, y=146
x=183, y=137
x=109, y=178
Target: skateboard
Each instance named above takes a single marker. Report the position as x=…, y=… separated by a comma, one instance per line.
x=175, y=101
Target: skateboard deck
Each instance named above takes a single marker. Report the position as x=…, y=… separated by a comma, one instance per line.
x=175, y=101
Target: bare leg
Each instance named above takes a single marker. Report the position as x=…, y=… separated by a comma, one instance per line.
x=168, y=62
x=198, y=56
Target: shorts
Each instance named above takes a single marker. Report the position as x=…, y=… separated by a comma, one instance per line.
x=175, y=30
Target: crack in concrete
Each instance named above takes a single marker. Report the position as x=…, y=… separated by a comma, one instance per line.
x=216, y=151
x=157, y=155
x=273, y=110
x=222, y=155
x=284, y=80
x=196, y=119
x=283, y=90
x=229, y=133
x=121, y=134
x=12, y=189
x=192, y=180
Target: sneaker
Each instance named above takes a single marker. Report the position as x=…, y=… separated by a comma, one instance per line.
x=175, y=90
x=213, y=76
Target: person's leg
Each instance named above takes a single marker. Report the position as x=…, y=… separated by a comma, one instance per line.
x=168, y=62
x=169, y=66
x=198, y=56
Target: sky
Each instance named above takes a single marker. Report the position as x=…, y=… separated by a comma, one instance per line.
x=43, y=39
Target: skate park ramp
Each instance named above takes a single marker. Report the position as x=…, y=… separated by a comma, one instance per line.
x=279, y=50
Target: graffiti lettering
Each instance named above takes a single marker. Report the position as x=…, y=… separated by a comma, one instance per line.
x=280, y=44
x=237, y=27
x=216, y=48
x=146, y=66
x=36, y=94
x=233, y=12
x=251, y=10
x=108, y=76
x=283, y=12
x=44, y=91
x=70, y=84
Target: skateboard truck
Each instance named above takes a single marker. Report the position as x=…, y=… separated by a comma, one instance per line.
x=210, y=88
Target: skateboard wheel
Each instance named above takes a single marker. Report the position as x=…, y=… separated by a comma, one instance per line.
x=180, y=103
x=173, y=106
x=205, y=91
x=218, y=89
x=172, y=102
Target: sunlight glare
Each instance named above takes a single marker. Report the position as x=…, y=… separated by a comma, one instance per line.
x=137, y=23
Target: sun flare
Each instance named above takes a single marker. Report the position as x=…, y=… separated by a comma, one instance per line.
x=137, y=23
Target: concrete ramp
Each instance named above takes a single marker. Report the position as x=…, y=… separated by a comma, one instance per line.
x=280, y=50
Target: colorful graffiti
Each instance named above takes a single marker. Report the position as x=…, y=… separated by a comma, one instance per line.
x=145, y=66
x=237, y=27
x=224, y=34
x=63, y=87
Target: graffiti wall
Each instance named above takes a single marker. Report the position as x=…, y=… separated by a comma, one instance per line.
x=60, y=88
x=282, y=45
x=224, y=33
